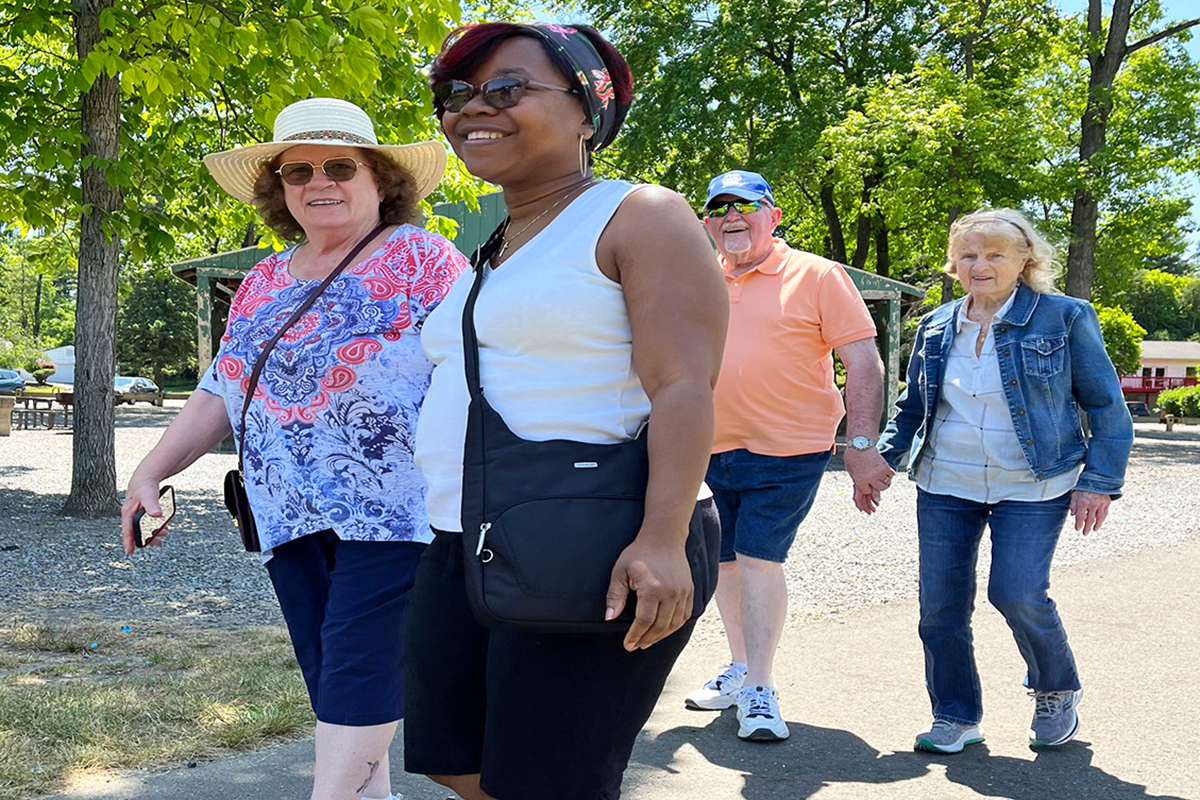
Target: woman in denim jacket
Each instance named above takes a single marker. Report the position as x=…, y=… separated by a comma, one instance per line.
x=990, y=424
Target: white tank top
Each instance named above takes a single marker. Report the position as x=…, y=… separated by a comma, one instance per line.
x=555, y=350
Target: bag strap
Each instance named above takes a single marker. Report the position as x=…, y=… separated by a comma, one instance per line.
x=479, y=262
x=292, y=320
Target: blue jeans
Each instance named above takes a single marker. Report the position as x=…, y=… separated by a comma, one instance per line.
x=1024, y=535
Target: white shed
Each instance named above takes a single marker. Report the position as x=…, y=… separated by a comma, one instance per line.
x=64, y=359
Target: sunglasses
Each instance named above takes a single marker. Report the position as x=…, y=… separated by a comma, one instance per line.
x=717, y=212
x=338, y=168
x=453, y=96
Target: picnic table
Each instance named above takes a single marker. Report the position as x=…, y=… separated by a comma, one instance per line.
x=40, y=411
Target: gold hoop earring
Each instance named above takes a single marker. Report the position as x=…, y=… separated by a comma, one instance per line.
x=583, y=165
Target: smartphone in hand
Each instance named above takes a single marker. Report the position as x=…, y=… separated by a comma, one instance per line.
x=146, y=528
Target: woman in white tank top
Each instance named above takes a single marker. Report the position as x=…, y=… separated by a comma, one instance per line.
x=604, y=309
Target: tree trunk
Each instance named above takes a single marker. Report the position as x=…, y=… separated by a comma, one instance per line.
x=94, y=475
x=862, y=243
x=37, y=310
x=883, y=257
x=1106, y=52
x=837, y=242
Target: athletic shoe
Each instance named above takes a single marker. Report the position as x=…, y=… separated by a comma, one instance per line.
x=758, y=715
x=1054, y=719
x=718, y=693
x=944, y=736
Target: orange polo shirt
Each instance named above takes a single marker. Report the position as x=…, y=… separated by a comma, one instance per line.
x=776, y=395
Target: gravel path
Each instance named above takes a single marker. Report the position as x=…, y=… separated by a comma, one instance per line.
x=61, y=568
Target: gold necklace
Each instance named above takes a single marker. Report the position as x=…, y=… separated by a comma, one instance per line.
x=507, y=240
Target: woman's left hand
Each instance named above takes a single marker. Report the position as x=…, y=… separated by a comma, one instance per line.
x=1089, y=510
x=660, y=575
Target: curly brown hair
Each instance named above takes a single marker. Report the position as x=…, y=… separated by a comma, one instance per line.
x=396, y=184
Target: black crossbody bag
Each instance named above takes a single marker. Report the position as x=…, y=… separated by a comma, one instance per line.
x=236, y=501
x=545, y=522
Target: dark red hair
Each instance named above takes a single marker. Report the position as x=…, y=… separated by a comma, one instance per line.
x=470, y=45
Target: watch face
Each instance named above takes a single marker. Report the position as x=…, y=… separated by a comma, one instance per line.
x=860, y=443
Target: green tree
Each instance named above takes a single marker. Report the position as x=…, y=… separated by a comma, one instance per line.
x=1156, y=301
x=107, y=105
x=1122, y=339
x=1107, y=48
x=156, y=325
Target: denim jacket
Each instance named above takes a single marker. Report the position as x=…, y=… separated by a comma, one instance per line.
x=1052, y=363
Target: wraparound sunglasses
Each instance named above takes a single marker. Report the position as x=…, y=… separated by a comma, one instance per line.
x=742, y=208
x=338, y=168
x=453, y=96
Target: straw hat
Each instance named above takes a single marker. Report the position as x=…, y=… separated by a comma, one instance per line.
x=323, y=120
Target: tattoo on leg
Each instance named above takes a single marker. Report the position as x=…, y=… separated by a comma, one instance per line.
x=373, y=765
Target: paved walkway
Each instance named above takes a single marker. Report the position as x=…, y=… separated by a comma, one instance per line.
x=853, y=687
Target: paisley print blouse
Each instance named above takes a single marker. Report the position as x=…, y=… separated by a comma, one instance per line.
x=329, y=435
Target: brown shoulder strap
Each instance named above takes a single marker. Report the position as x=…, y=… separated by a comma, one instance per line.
x=292, y=320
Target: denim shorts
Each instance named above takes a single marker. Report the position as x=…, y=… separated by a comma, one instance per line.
x=762, y=500
x=345, y=604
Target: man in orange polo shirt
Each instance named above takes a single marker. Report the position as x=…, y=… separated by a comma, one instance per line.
x=777, y=410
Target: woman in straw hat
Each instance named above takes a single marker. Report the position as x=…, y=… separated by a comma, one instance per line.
x=327, y=441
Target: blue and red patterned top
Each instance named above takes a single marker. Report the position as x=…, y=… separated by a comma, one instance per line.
x=329, y=438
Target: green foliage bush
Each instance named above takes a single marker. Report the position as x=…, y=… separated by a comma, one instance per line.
x=1122, y=339
x=1181, y=402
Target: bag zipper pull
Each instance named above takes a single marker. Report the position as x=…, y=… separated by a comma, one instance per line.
x=483, y=529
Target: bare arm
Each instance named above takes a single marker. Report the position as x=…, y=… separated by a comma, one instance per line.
x=678, y=311
x=864, y=405
x=201, y=424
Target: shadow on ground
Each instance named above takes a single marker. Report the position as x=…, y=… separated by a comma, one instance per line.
x=814, y=757
x=790, y=770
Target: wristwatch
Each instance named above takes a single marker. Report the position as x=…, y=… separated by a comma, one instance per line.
x=861, y=443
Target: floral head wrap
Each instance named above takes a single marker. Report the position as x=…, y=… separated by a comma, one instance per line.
x=573, y=52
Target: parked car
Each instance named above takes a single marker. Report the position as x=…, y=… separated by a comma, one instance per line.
x=11, y=381
x=132, y=389
x=1137, y=409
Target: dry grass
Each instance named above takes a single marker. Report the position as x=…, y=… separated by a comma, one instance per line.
x=77, y=702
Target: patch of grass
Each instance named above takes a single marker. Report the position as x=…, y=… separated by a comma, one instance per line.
x=69, y=710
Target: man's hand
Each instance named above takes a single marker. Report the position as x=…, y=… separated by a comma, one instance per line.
x=662, y=579
x=871, y=475
x=1089, y=510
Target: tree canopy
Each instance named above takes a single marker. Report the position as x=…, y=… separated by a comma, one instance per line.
x=880, y=122
x=106, y=107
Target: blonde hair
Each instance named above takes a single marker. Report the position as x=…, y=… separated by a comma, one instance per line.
x=1010, y=225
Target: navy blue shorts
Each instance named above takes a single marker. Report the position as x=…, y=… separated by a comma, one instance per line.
x=762, y=500
x=345, y=604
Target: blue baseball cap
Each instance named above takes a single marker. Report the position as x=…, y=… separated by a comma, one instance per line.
x=740, y=183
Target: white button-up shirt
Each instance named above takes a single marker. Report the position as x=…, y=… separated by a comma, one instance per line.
x=973, y=451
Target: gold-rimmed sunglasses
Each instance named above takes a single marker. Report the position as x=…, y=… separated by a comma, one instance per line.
x=337, y=168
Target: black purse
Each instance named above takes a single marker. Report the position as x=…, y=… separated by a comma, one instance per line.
x=236, y=501
x=545, y=522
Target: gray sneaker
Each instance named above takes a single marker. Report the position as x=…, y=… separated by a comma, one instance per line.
x=1054, y=719
x=944, y=736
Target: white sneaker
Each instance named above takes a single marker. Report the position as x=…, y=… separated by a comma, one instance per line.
x=758, y=715
x=718, y=693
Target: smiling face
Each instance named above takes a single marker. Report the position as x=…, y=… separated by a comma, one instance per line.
x=987, y=266
x=326, y=205
x=743, y=238
x=534, y=140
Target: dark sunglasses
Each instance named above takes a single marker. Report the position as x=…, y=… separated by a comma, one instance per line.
x=453, y=96
x=741, y=207
x=338, y=168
